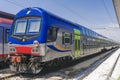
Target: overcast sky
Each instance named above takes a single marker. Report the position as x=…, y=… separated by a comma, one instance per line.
x=98, y=15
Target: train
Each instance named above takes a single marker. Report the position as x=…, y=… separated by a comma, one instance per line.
x=5, y=23
x=37, y=37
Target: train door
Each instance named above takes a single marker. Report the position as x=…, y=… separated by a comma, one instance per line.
x=6, y=33
x=76, y=43
x=1, y=41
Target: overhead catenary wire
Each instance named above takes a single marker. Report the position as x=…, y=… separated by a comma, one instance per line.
x=75, y=13
x=15, y=3
x=68, y=9
x=108, y=13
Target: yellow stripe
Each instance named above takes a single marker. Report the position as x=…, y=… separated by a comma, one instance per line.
x=61, y=48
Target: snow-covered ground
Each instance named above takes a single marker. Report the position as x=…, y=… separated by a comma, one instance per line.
x=104, y=70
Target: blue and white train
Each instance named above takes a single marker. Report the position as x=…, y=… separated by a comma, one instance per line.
x=38, y=37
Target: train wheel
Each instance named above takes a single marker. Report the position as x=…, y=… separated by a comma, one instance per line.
x=22, y=67
x=36, y=68
x=55, y=62
x=50, y=63
x=14, y=67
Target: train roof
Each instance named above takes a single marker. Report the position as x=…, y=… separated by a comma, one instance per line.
x=84, y=30
x=6, y=18
x=6, y=15
x=36, y=11
x=5, y=21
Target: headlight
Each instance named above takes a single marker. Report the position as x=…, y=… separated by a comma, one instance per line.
x=12, y=49
x=36, y=43
x=41, y=50
x=35, y=50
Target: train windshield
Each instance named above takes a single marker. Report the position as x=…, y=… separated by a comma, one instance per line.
x=27, y=26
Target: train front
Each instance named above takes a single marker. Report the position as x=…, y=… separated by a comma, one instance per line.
x=27, y=41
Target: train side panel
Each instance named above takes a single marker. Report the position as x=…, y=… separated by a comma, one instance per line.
x=5, y=23
x=4, y=31
x=54, y=40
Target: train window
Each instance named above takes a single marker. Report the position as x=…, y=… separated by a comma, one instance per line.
x=6, y=35
x=34, y=25
x=20, y=26
x=67, y=38
x=52, y=34
x=27, y=26
x=78, y=44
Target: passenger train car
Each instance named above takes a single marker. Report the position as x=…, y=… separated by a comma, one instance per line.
x=38, y=36
x=5, y=23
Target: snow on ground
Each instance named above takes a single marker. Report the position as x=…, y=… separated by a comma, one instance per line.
x=102, y=72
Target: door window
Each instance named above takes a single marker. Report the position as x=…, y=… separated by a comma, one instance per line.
x=52, y=34
x=67, y=38
x=6, y=36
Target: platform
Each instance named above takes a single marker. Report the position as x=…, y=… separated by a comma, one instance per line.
x=108, y=70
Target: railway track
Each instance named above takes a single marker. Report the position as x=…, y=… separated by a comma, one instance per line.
x=93, y=66
x=111, y=72
x=77, y=70
x=6, y=73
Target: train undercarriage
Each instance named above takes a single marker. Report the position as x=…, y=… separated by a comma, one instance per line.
x=33, y=65
x=4, y=61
